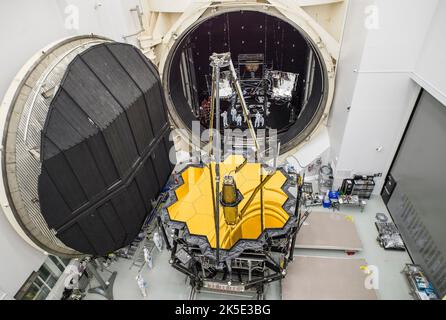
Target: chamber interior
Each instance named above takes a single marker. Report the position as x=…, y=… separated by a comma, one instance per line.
x=279, y=69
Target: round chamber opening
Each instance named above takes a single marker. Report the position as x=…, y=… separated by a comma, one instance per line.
x=280, y=69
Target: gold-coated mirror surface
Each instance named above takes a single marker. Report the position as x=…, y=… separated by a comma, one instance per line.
x=194, y=202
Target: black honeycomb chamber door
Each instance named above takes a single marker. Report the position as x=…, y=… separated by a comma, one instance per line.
x=104, y=149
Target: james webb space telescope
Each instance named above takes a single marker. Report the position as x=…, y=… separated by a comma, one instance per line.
x=233, y=222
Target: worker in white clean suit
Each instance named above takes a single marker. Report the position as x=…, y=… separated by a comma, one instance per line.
x=148, y=257
x=262, y=120
x=224, y=115
x=158, y=241
x=142, y=285
x=239, y=120
x=233, y=114
x=257, y=120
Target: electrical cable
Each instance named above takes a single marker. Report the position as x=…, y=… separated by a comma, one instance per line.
x=298, y=162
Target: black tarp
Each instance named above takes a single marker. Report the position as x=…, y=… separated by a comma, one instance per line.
x=105, y=149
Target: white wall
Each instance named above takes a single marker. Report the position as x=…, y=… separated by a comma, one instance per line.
x=19, y=259
x=384, y=93
x=398, y=41
x=376, y=121
x=353, y=43
x=430, y=70
x=26, y=27
x=29, y=25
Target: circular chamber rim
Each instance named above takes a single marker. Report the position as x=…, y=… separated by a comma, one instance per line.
x=324, y=59
x=32, y=70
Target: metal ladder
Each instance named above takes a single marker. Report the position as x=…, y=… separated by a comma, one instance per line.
x=138, y=259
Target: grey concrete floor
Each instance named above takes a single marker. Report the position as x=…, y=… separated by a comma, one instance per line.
x=164, y=282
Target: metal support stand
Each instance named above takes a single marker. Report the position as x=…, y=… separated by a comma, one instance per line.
x=223, y=60
x=217, y=62
x=238, y=90
x=104, y=289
